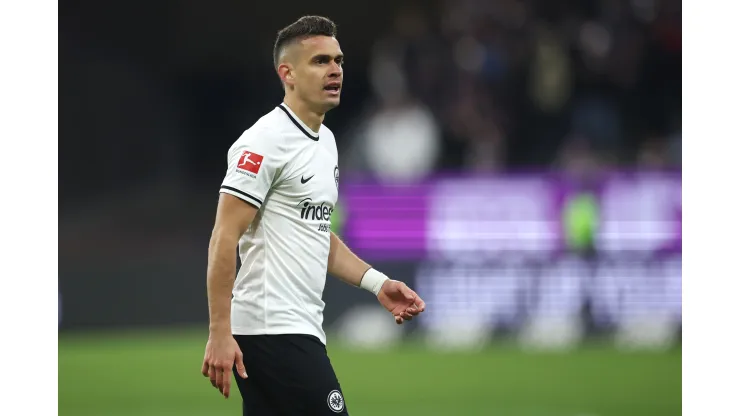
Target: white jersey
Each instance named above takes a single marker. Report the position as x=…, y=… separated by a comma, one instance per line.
x=292, y=175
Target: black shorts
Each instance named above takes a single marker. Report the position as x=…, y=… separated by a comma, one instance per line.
x=288, y=375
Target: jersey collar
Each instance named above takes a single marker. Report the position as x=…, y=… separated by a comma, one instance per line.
x=298, y=123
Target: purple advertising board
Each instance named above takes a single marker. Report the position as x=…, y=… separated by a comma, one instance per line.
x=496, y=247
x=638, y=213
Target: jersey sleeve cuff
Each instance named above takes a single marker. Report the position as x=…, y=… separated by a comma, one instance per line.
x=250, y=199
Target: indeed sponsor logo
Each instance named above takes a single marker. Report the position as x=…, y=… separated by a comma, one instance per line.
x=315, y=212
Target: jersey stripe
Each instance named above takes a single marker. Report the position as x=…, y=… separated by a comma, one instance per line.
x=245, y=195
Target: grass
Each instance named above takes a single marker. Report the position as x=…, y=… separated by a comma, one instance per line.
x=159, y=374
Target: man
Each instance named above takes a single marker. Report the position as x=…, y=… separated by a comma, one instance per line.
x=276, y=202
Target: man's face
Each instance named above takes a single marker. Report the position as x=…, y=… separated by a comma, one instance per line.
x=318, y=71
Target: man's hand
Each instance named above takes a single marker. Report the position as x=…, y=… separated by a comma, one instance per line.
x=222, y=352
x=401, y=301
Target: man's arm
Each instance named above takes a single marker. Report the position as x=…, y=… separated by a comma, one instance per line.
x=394, y=295
x=253, y=163
x=344, y=264
x=233, y=217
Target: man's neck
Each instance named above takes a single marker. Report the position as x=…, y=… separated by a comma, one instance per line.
x=310, y=118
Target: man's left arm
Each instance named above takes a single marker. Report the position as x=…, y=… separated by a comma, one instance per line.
x=344, y=264
x=394, y=295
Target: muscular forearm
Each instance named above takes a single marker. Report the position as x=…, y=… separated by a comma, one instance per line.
x=344, y=264
x=220, y=281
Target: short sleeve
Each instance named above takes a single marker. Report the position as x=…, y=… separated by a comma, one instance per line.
x=253, y=167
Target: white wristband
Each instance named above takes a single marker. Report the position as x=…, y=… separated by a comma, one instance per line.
x=373, y=280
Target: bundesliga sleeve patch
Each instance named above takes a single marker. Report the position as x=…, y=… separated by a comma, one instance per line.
x=250, y=162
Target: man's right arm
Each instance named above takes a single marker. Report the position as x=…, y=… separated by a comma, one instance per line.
x=253, y=166
x=233, y=217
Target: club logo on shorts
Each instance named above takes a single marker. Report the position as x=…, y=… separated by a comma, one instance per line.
x=335, y=401
x=336, y=176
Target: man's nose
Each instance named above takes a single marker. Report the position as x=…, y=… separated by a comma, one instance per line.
x=335, y=71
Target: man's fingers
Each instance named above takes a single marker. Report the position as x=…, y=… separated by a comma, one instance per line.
x=416, y=302
x=409, y=294
x=239, y=365
x=226, y=382
x=212, y=375
x=204, y=368
x=220, y=379
x=403, y=316
x=413, y=310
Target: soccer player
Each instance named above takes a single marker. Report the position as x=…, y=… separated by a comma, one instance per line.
x=275, y=203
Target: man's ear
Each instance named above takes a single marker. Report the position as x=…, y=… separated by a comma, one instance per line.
x=285, y=72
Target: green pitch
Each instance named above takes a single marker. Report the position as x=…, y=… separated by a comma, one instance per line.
x=159, y=375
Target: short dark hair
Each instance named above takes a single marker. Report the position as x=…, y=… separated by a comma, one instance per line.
x=302, y=28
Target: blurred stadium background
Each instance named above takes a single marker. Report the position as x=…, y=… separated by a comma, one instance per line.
x=518, y=162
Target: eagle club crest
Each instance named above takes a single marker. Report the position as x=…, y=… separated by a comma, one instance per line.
x=336, y=175
x=335, y=401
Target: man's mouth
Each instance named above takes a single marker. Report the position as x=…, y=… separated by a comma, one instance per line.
x=333, y=87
